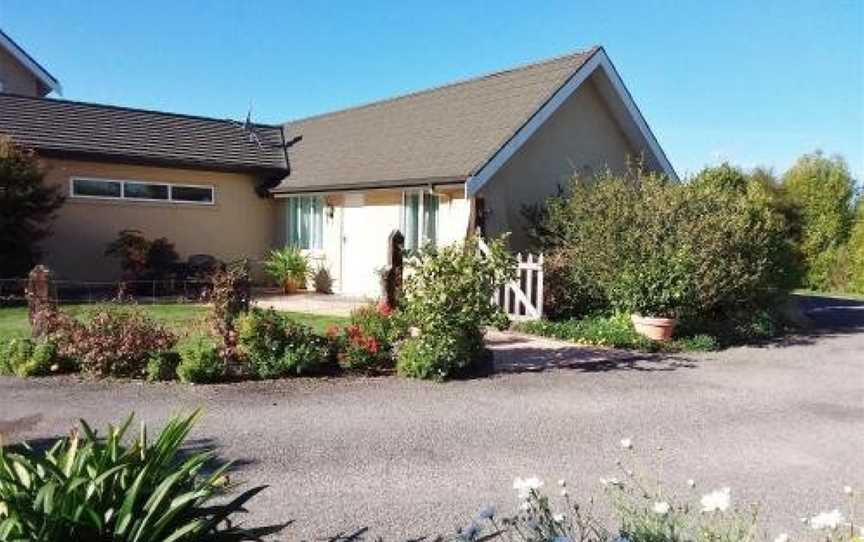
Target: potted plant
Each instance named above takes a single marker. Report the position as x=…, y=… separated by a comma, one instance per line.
x=654, y=293
x=289, y=267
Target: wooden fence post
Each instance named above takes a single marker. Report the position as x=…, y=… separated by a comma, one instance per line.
x=392, y=276
x=41, y=297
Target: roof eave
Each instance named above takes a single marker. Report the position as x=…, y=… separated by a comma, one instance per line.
x=204, y=165
x=369, y=185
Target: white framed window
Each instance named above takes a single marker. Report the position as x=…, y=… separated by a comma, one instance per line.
x=85, y=187
x=419, y=218
x=305, y=222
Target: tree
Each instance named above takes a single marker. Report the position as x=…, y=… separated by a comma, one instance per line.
x=27, y=207
x=822, y=189
x=856, y=251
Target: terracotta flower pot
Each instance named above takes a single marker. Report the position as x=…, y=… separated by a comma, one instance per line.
x=290, y=286
x=656, y=329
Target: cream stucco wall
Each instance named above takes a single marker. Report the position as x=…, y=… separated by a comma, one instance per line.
x=581, y=137
x=355, y=237
x=239, y=224
x=15, y=78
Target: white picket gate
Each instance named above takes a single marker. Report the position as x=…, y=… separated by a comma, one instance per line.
x=522, y=297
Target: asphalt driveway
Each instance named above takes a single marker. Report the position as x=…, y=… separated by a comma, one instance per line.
x=782, y=424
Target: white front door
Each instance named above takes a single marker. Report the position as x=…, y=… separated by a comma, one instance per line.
x=358, y=259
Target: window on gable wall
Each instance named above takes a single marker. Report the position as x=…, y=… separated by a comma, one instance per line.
x=419, y=218
x=305, y=222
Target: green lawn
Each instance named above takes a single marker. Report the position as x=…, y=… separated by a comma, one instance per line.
x=186, y=320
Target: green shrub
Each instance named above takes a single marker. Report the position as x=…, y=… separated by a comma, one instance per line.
x=201, y=363
x=114, y=341
x=658, y=286
x=367, y=341
x=88, y=487
x=276, y=346
x=438, y=356
x=447, y=297
x=823, y=190
x=162, y=366
x=568, y=290
x=26, y=357
x=643, y=242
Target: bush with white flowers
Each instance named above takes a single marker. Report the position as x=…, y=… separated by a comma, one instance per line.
x=646, y=510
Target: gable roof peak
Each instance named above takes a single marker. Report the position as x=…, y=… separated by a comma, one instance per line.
x=49, y=82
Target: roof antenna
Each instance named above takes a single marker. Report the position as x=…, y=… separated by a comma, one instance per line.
x=249, y=128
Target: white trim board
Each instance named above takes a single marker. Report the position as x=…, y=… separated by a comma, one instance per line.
x=598, y=60
x=38, y=71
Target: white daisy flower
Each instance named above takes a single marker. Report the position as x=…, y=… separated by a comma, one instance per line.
x=826, y=520
x=716, y=501
x=524, y=486
x=661, y=508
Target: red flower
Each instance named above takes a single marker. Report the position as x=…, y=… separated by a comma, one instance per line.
x=384, y=308
x=372, y=345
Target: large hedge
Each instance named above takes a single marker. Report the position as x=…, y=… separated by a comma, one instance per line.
x=713, y=246
x=855, y=248
x=823, y=191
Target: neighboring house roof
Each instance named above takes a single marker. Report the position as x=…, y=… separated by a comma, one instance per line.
x=455, y=132
x=47, y=81
x=100, y=132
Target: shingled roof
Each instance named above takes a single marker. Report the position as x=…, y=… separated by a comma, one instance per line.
x=101, y=132
x=442, y=134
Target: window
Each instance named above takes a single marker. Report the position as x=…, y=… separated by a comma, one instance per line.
x=145, y=191
x=305, y=222
x=419, y=219
x=193, y=194
x=97, y=189
x=141, y=190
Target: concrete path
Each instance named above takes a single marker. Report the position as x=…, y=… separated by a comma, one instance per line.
x=313, y=303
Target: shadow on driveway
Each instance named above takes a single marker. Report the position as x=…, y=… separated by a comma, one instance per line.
x=825, y=317
x=517, y=352
x=822, y=316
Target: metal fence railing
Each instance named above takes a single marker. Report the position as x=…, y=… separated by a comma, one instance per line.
x=12, y=291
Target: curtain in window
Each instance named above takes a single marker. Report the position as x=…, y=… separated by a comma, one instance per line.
x=411, y=220
x=305, y=219
x=430, y=218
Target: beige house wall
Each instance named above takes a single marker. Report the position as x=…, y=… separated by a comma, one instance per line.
x=357, y=226
x=581, y=137
x=15, y=78
x=239, y=224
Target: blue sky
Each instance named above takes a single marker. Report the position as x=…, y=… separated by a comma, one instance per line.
x=755, y=83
